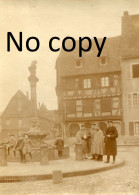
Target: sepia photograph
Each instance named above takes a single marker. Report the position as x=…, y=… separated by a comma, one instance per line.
x=69, y=97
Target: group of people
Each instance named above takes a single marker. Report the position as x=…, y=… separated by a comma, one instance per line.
x=22, y=144
x=96, y=143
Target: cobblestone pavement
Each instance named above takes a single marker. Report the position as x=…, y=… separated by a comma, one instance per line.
x=123, y=180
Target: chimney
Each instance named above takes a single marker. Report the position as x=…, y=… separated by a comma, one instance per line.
x=126, y=23
x=126, y=13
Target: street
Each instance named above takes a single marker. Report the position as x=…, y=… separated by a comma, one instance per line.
x=123, y=180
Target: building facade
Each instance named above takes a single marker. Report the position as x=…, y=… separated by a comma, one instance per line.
x=130, y=74
x=91, y=89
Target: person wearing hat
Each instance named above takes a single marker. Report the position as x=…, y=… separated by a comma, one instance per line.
x=82, y=137
x=79, y=135
x=110, y=141
x=59, y=143
x=11, y=144
x=93, y=134
x=26, y=147
x=19, y=146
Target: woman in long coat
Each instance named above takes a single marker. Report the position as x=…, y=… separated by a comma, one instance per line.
x=98, y=144
x=110, y=141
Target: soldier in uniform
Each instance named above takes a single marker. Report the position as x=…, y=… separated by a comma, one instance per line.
x=110, y=141
x=59, y=143
x=26, y=147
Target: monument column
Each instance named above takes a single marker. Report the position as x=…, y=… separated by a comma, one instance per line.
x=33, y=79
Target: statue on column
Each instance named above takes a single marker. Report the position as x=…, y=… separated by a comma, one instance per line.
x=32, y=68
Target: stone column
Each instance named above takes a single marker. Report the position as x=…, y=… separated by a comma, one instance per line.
x=44, y=155
x=3, y=157
x=33, y=79
x=79, y=151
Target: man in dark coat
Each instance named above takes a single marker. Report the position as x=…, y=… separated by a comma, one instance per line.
x=110, y=141
x=18, y=146
x=59, y=143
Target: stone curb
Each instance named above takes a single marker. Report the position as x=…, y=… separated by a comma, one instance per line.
x=12, y=179
x=127, y=144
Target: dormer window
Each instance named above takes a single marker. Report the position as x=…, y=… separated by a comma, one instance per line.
x=103, y=60
x=78, y=63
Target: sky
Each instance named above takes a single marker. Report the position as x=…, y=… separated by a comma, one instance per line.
x=45, y=19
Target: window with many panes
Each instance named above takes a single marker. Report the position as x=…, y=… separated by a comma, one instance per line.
x=136, y=127
x=105, y=81
x=133, y=99
x=79, y=108
x=87, y=83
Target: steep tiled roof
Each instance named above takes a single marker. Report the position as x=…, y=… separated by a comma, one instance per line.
x=115, y=48
x=90, y=62
x=18, y=100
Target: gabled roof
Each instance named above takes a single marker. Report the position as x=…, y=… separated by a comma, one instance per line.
x=90, y=62
x=19, y=95
x=18, y=100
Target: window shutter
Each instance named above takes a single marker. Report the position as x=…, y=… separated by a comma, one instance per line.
x=122, y=128
x=128, y=72
x=111, y=80
x=70, y=84
x=88, y=105
x=135, y=69
x=80, y=84
x=106, y=105
x=98, y=82
x=131, y=128
x=94, y=81
x=70, y=106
